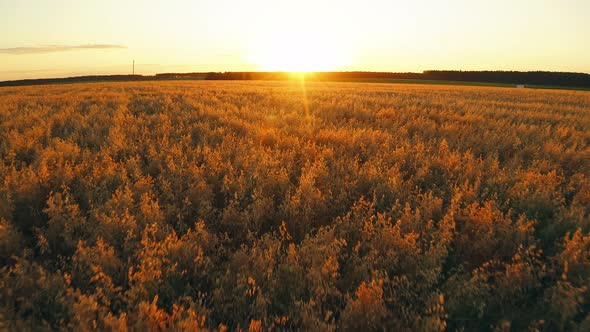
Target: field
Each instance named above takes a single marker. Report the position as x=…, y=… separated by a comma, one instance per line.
x=285, y=206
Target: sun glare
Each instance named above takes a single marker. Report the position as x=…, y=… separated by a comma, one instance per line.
x=306, y=39
x=299, y=51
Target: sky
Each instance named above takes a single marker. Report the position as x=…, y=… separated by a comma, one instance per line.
x=60, y=38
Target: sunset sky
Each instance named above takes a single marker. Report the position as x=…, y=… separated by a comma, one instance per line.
x=43, y=38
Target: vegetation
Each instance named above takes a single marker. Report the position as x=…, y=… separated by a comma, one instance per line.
x=280, y=206
x=536, y=79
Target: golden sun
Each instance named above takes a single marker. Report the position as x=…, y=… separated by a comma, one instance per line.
x=299, y=49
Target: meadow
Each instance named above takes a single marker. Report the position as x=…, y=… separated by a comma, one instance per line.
x=228, y=205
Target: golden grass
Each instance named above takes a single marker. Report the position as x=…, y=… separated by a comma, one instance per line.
x=281, y=205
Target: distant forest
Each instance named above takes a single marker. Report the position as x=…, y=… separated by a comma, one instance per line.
x=507, y=77
x=536, y=78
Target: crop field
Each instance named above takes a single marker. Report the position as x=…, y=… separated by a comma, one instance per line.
x=214, y=205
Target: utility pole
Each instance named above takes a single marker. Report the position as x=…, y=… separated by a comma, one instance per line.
x=133, y=67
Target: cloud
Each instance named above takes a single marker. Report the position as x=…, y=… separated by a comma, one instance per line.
x=58, y=48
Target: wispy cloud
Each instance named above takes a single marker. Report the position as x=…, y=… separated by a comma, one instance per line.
x=57, y=48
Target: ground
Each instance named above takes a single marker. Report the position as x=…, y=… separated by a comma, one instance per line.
x=294, y=205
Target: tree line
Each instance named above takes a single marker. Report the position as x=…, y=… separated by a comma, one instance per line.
x=535, y=78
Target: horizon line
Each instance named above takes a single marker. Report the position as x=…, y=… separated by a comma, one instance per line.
x=299, y=72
